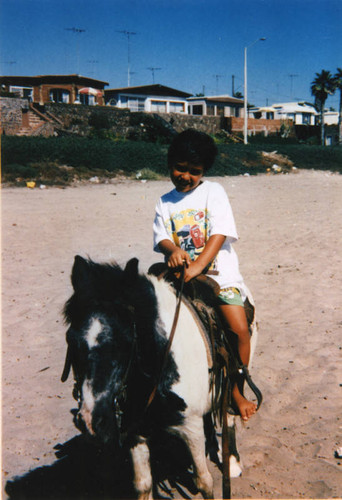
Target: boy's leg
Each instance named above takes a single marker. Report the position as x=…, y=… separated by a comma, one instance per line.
x=235, y=317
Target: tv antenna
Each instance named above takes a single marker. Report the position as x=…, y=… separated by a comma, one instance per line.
x=77, y=31
x=153, y=70
x=217, y=79
x=292, y=76
x=92, y=62
x=128, y=34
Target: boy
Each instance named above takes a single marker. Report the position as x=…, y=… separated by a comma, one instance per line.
x=194, y=225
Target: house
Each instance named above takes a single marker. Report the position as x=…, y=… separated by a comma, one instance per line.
x=67, y=89
x=301, y=113
x=330, y=117
x=154, y=98
x=223, y=105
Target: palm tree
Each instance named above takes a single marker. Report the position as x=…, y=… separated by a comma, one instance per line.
x=322, y=86
x=338, y=85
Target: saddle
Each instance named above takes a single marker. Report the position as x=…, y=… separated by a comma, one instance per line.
x=200, y=295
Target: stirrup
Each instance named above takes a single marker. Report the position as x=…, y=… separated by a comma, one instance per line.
x=243, y=372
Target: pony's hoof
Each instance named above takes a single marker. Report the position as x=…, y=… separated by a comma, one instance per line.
x=235, y=469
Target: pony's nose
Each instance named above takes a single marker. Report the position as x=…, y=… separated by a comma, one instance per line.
x=84, y=416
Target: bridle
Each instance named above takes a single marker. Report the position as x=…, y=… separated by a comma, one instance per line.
x=121, y=395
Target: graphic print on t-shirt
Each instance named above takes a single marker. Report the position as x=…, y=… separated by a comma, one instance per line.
x=189, y=230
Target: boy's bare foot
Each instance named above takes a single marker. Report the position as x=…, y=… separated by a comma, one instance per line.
x=246, y=408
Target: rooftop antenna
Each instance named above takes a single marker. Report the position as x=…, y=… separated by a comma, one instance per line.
x=217, y=79
x=292, y=76
x=128, y=34
x=92, y=62
x=77, y=31
x=10, y=63
x=153, y=70
x=132, y=73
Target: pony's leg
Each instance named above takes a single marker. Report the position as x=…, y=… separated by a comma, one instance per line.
x=192, y=433
x=235, y=469
x=140, y=455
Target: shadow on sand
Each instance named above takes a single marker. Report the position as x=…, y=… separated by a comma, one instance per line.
x=83, y=471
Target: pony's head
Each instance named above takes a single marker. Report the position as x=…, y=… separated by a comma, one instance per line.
x=115, y=344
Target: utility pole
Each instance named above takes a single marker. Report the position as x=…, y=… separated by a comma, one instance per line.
x=245, y=107
x=128, y=34
x=233, y=89
x=77, y=31
x=153, y=70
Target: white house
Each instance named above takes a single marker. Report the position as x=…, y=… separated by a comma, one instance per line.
x=330, y=117
x=302, y=113
x=154, y=98
x=221, y=105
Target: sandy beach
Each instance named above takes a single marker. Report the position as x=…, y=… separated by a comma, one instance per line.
x=290, y=229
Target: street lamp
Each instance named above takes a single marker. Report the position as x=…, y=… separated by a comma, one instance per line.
x=245, y=122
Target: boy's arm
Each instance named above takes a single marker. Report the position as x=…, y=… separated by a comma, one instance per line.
x=209, y=252
x=176, y=256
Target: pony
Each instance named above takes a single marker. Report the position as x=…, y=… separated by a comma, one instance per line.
x=119, y=323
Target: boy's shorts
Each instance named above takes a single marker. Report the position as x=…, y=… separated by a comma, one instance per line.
x=230, y=296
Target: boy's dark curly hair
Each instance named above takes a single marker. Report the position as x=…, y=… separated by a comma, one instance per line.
x=194, y=147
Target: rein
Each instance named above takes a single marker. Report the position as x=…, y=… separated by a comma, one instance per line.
x=169, y=344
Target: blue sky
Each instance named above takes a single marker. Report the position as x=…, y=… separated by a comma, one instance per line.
x=198, y=44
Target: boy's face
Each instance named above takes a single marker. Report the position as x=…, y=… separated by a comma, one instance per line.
x=186, y=176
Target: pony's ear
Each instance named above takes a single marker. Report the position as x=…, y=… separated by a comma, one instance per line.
x=131, y=270
x=80, y=273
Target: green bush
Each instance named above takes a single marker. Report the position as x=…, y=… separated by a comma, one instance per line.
x=49, y=160
x=80, y=152
x=150, y=128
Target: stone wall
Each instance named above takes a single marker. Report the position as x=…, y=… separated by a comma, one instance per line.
x=79, y=119
x=11, y=114
x=83, y=120
x=208, y=124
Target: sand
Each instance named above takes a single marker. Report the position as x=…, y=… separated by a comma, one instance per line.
x=290, y=256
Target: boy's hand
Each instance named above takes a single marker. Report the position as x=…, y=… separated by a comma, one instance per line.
x=178, y=257
x=193, y=270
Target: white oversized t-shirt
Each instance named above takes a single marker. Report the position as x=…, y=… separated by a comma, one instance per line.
x=189, y=219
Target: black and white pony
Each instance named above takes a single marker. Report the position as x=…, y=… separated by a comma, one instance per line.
x=119, y=322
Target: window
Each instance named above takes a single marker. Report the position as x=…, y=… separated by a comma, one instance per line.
x=59, y=95
x=210, y=109
x=306, y=118
x=136, y=103
x=158, y=106
x=87, y=99
x=25, y=92
x=176, y=107
x=197, y=109
x=132, y=103
x=269, y=115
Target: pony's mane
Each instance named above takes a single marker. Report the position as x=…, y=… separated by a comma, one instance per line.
x=108, y=287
